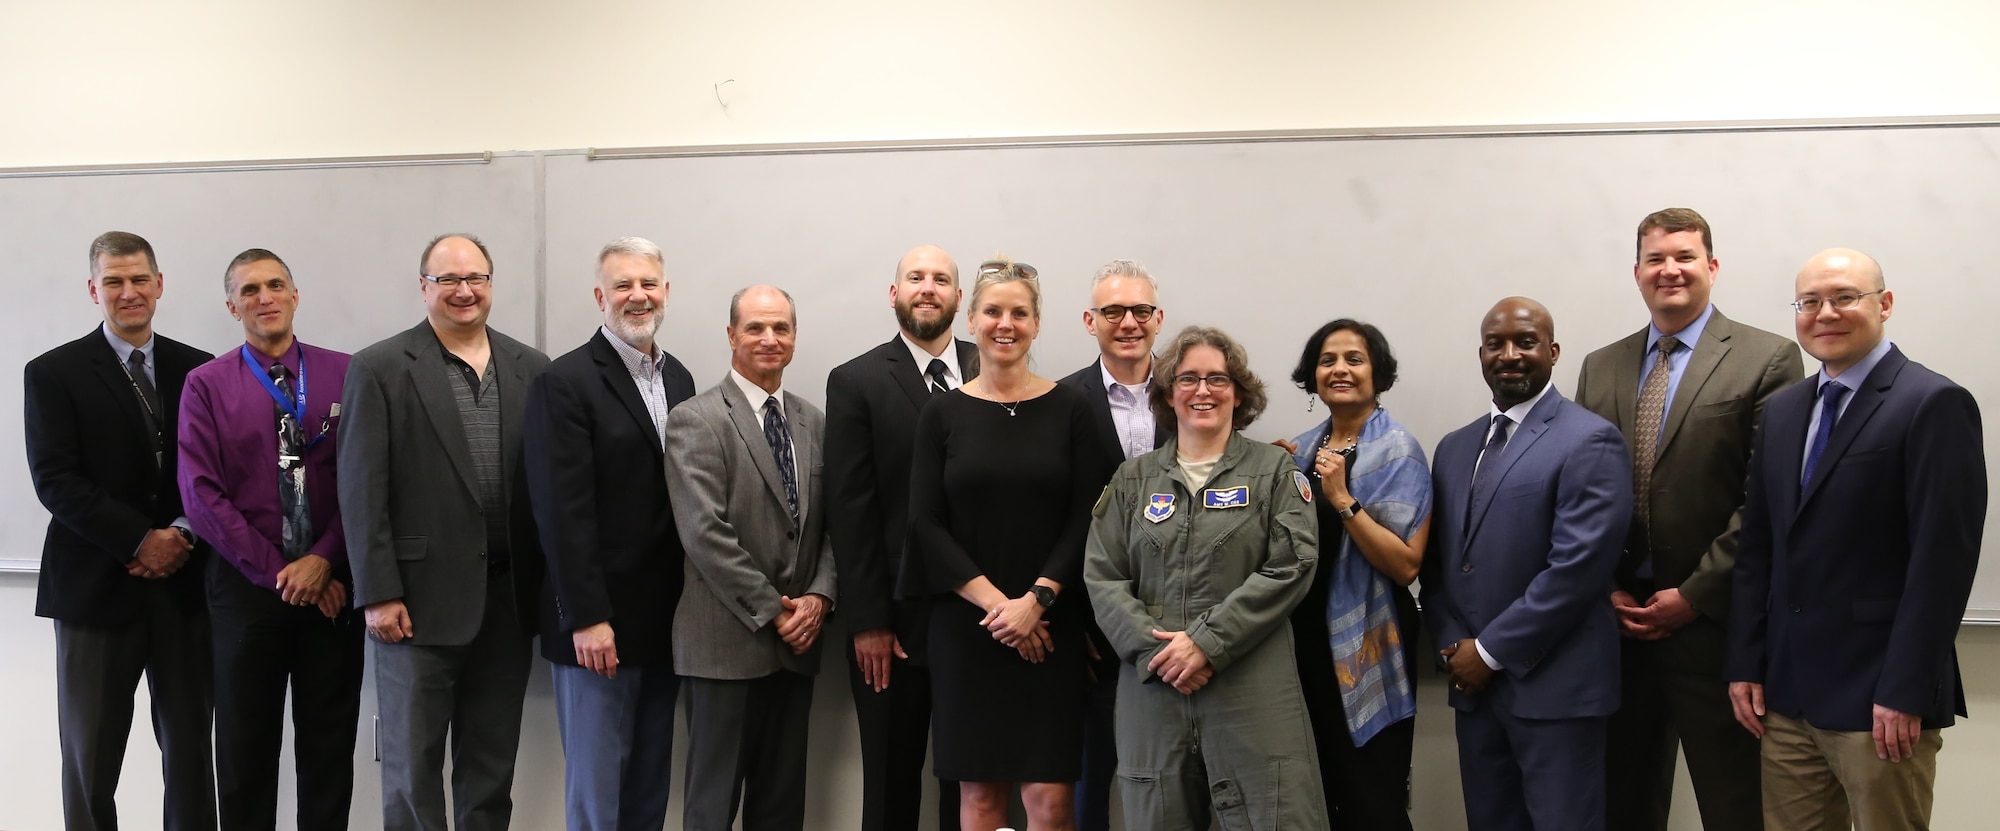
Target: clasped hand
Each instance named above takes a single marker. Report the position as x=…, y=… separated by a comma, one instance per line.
x=799, y=622
x=1018, y=623
x=1181, y=663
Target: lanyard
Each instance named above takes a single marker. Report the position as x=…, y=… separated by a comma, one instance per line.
x=296, y=408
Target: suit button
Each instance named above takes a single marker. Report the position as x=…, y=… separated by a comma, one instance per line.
x=1795, y=608
x=1467, y=568
x=482, y=555
x=791, y=535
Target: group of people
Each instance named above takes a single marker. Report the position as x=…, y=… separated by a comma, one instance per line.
x=1047, y=585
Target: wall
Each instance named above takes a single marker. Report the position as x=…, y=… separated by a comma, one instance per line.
x=120, y=81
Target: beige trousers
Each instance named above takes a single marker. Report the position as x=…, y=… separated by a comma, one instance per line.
x=1818, y=780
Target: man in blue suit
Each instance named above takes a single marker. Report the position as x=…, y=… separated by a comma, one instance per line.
x=1532, y=501
x=1861, y=530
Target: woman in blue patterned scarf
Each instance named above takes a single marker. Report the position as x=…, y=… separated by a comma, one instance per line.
x=1372, y=488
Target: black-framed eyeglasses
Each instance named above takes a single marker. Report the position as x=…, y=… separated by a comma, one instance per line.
x=1845, y=301
x=450, y=282
x=1022, y=269
x=1215, y=382
x=1141, y=312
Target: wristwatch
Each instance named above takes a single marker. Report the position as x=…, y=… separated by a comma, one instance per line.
x=1348, y=512
x=1045, y=596
x=185, y=534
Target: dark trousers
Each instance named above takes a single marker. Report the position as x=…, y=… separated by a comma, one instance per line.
x=97, y=671
x=1524, y=774
x=747, y=746
x=262, y=645
x=1100, y=746
x=1674, y=700
x=1367, y=787
x=895, y=737
x=471, y=694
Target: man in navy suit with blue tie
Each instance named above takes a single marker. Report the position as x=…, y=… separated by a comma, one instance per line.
x=1861, y=530
x=1533, y=500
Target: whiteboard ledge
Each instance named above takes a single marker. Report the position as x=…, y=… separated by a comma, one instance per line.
x=20, y=566
x=264, y=164
x=1246, y=137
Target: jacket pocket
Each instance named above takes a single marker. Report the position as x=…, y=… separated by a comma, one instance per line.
x=412, y=548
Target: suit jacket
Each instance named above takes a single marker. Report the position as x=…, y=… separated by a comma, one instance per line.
x=743, y=548
x=1703, y=454
x=1526, y=577
x=1849, y=593
x=597, y=481
x=872, y=404
x=92, y=460
x=229, y=462
x=1111, y=452
x=415, y=530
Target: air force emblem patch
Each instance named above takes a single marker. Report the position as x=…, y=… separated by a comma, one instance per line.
x=1160, y=507
x=1236, y=497
x=1305, y=488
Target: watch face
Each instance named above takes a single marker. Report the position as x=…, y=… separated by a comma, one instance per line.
x=1045, y=596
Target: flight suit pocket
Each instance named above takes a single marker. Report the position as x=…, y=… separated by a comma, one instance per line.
x=412, y=548
x=1226, y=797
x=1139, y=791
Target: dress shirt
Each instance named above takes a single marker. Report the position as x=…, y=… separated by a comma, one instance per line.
x=1852, y=379
x=1677, y=363
x=954, y=377
x=648, y=374
x=757, y=396
x=229, y=463
x=1131, y=413
x=124, y=351
x=1518, y=415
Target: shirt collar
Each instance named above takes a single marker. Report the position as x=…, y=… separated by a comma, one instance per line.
x=755, y=393
x=1519, y=412
x=636, y=362
x=1688, y=336
x=923, y=358
x=124, y=349
x=1858, y=373
x=291, y=359
x=1109, y=381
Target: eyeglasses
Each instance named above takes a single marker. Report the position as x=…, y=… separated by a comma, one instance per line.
x=450, y=282
x=1214, y=382
x=1141, y=312
x=1845, y=301
x=1023, y=269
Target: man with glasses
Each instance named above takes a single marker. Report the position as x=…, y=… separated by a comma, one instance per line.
x=1861, y=532
x=121, y=570
x=257, y=477
x=872, y=404
x=1686, y=391
x=442, y=543
x=1125, y=317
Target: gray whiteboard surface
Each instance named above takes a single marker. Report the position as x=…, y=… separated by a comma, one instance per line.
x=1266, y=239
x=352, y=237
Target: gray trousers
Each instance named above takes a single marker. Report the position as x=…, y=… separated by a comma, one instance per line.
x=470, y=694
x=747, y=745
x=97, y=670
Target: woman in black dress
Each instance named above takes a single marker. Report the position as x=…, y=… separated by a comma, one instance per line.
x=999, y=506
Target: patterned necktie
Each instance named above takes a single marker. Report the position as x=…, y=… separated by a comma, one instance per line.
x=1489, y=461
x=780, y=437
x=936, y=373
x=1646, y=431
x=291, y=475
x=1830, y=394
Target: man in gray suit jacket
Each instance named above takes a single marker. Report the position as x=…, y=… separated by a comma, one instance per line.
x=1702, y=403
x=745, y=484
x=442, y=543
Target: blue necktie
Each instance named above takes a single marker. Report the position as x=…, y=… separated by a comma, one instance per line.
x=780, y=437
x=1830, y=394
x=1489, y=460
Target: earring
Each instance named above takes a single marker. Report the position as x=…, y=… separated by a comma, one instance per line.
x=1310, y=398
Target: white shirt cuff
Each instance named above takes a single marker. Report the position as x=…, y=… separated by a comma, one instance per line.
x=1487, y=656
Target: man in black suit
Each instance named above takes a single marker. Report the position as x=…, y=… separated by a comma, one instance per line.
x=1861, y=528
x=593, y=444
x=121, y=569
x=1125, y=317
x=872, y=404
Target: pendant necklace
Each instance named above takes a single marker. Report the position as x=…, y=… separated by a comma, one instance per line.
x=1010, y=408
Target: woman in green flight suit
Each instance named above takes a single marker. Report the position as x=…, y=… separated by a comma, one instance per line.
x=1198, y=551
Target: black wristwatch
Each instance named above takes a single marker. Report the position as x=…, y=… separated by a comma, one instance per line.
x=1045, y=596
x=185, y=534
x=1348, y=512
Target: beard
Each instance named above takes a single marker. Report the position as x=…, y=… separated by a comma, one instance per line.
x=632, y=333
x=906, y=317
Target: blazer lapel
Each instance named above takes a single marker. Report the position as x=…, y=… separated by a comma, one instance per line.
x=1867, y=400
x=968, y=359
x=1517, y=445
x=1701, y=366
x=1100, y=408
x=514, y=381
x=1631, y=364
x=626, y=390
x=748, y=418
x=906, y=374
x=805, y=451
x=427, y=375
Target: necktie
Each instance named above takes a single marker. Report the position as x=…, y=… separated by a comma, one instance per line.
x=1646, y=431
x=149, y=398
x=297, y=531
x=1830, y=394
x=1489, y=461
x=780, y=437
x=936, y=373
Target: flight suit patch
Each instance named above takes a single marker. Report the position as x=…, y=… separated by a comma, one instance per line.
x=1159, y=507
x=1305, y=488
x=1236, y=497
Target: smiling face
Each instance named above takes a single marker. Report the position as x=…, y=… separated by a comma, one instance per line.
x=463, y=307
x=1204, y=409
x=1127, y=338
x=128, y=290
x=1004, y=323
x=262, y=296
x=1517, y=350
x=763, y=336
x=1840, y=339
x=1675, y=273
x=1345, y=376
x=925, y=294
x=631, y=292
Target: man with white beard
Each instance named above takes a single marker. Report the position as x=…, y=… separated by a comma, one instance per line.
x=593, y=447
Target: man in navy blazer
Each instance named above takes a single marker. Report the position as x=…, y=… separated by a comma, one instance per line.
x=1533, y=502
x=1867, y=497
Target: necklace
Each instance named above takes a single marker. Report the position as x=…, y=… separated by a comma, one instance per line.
x=1010, y=408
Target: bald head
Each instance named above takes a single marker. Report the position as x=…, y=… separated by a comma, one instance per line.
x=1840, y=337
x=1517, y=350
x=1847, y=261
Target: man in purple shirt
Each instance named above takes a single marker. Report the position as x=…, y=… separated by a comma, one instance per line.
x=257, y=477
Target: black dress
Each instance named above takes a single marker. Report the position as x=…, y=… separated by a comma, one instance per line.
x=1006, y=495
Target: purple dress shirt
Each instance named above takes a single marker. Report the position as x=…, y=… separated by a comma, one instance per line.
x=229, y=459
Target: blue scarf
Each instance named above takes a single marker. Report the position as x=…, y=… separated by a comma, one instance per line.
x=1392, y=481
